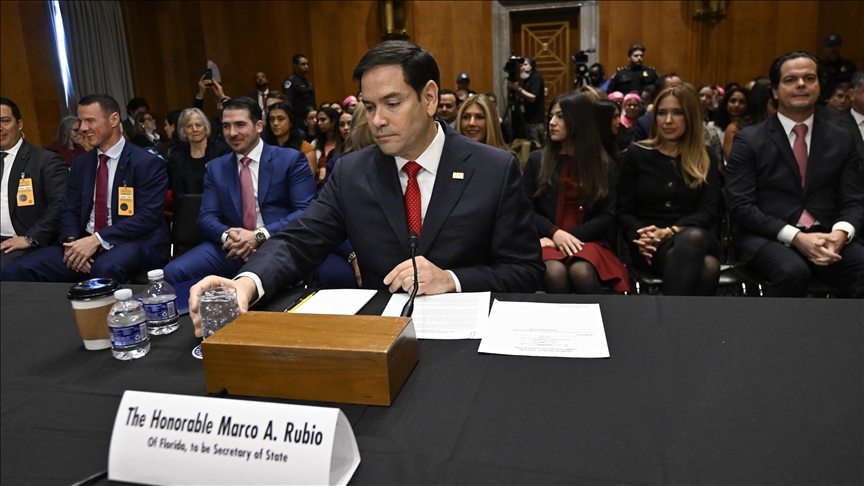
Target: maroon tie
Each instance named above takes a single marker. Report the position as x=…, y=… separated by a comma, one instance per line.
x=264, y=104
x=799, y=148
x=100, y=208
x=412, y=197
x=247, y=194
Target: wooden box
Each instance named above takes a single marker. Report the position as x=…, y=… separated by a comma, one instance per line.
x=346, y=359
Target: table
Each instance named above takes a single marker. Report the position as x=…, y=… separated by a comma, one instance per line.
x=697, y=391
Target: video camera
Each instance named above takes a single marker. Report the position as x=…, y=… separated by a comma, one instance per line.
x=513, y=67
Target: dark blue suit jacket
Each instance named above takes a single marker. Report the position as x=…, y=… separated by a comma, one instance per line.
x=763, y=182
x=138, y=169
x=285, y=189
x=479, y=224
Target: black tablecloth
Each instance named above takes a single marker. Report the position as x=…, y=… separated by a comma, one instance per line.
x=697, y=391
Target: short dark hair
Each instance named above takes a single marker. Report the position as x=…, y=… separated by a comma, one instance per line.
x=12, y=106
x=661, y=82
x=600, y=67
x=634, y=48
x=297, y=57
x=134, y=104
x=244, y=103
x=448, y=92
x=107, y=103
x=774, y=71
x=418, y=65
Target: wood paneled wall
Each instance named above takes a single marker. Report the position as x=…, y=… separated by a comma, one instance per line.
x=28, y=68
x=737, y=48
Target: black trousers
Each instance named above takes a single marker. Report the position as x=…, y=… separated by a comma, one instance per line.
x=789, y=273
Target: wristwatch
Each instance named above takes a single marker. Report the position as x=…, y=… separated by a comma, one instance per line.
x=31, y=241
x=260, y=236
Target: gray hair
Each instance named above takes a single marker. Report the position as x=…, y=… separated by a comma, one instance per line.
x=65, y=127
x=184, y=120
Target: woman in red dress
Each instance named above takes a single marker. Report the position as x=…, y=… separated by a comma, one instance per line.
x=571, y=185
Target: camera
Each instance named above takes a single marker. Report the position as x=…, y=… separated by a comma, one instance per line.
x=513, y=67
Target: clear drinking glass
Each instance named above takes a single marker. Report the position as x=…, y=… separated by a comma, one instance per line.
x=217, y=307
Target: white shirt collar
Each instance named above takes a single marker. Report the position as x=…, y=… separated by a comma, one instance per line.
x=431, y=157
x=114, y=152
x=789, y=124
x=255, y=154
x=858, y=116
x=13, y=152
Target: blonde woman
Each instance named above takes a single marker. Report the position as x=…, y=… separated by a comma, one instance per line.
x=669, y=198
x=478, y=120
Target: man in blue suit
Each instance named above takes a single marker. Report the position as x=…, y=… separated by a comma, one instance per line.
x=249, y=195
x=465, y=200
x=111, y=220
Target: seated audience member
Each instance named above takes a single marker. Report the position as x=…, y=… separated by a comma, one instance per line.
x=608, y=119
x=505, y=123
x=854, y=120
x=336, y=106
x=476, y=232
x=188, y=162
x=111, y=219
x=669, y=198
x=135, y=107
x=310, y=120
x=329, y=140
x=632, y=106
x=271, y=184
x=172, y=137
x=648, y=93
x=448, y=107
x=68, y=142
x=706, y=103
x=593, y=94
x=762, y=102
x=839, y=98
x=145, y=131
x=794, y=190
x=286, y=133
x=719, y=93
x=462, y=95
x=345, y=127
x=713, y=135
x=733, y=115
x=617, y=97
x=478, y=120
x=31, y=222
x=642, y=125
x=349, y=104
x=571, y=186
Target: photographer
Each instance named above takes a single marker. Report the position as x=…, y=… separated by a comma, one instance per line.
x=531, y=100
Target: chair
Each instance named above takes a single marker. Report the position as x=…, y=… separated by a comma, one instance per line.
x=184, y=230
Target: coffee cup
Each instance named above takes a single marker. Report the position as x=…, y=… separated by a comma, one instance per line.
x=91, y=301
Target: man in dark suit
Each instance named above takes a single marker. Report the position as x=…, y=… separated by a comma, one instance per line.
x=133, y=108
x=249, y=195
x=31, y=191
x=261, y=91
x=795, y=192
x=111, y=219
x=854, y=120
x=464, y=199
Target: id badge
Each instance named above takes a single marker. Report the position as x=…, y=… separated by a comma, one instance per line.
x=25, y=192
x=126, y=201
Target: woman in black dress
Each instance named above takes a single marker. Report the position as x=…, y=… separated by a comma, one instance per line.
x=669, y=198
x=188, y=161
x=571, y=185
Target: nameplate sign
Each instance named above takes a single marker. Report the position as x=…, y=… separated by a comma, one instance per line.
x=175, y=439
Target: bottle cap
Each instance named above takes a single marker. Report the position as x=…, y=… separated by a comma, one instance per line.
x=123, y=294
x=93, y=288
x=155, y=274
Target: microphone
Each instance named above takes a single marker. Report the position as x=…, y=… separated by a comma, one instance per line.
x=413, y=241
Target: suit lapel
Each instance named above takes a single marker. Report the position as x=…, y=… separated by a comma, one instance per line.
x=446, y=191
x=18, y=167
x=818, y=141
x=265, y=172
x=781, y=140
x=384, y=181
x=231, y=176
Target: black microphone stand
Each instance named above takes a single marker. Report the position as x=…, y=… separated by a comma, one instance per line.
x=413, y=241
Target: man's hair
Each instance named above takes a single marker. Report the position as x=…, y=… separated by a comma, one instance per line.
x=244, y=103
x=600, y=67
x=297, y=57
x=532, y=62
x=777, y=65
x=661, y=82
x=134, y=104
x=448, y=92
x=418, y=65
x=108, y=104
x=12, y=106
x=857, y=78
x=277, y=95
x=634, y=48
x=491, y=95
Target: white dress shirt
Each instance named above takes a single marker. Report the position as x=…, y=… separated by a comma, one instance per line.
x=788, y=232
x=113, y=154
x=859, y=120
x=6, y=228
x=255, y=157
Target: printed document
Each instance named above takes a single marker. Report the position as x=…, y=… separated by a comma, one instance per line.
x=445, y=316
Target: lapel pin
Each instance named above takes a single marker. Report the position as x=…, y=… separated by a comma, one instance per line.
x=458, y=175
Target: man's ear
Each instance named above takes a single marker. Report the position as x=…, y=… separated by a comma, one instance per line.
x=259, y=126
x=430, y=97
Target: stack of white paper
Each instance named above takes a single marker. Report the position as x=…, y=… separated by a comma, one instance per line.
x=445, y=316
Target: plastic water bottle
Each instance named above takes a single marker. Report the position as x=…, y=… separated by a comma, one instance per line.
x=128, y=324
x=159, y=303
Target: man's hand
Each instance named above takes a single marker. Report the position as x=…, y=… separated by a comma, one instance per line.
x=566, y=243
x=77, y=254
x=15, y=243
x=514, y=85
x=431, y=279
x=203, y=84
x=240, y=243
x=217, y=88
x=246, y=293
x=813, y=247
x=356, y=266
x=834, y=241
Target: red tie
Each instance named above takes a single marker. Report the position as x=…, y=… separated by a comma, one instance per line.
x=799, y=148
x=412, y=197
x=247, y=194
x=264, y=104
x=100, y=208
